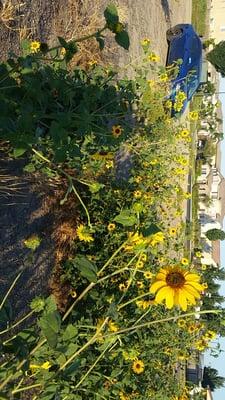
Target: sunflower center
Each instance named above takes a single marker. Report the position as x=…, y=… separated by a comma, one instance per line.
x=175, y=279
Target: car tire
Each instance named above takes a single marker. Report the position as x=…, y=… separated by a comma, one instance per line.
x=173, y=33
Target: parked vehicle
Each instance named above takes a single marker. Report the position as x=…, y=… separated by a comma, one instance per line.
x=185, y=50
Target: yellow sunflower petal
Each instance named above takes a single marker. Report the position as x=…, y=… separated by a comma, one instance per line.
x=170, y=298
x=163, y=272
x=192, y=290
x=156, y=286
x=191, y=277
x=161, y=277
x=182, y=300
x=197, y=286
x=190, y=297
x=163, y=293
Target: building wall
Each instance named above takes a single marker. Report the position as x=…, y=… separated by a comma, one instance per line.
x=217, y=20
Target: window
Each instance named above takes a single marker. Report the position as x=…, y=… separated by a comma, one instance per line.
x=222, y=28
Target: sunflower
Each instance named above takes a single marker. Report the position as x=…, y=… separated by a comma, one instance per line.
x=111, y=227
x=181, y=323
x=177, y=287
x=138, y=179
x=210, y=335
x=83, y=233
x=140, y=284
x=143, y=257
x=140, y=264
x=122, y=287
x=172, y=231
x=138, y=366
x=193, y=116
x=145, y=42
x=144, y=304
x=184, y=261
x=148, y=275
x=204, y=267
x=201, y=344
x=192, y=328
x=35, y=46
x=112, y=326
x=116, y=130
x=122, y=396
x=109, y=164
x=168, y=104
x=184, y=133
x=153, y=57
x=163, y=78
x=137, y=194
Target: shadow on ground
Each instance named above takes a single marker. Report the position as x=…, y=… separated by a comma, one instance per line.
x=21, y=216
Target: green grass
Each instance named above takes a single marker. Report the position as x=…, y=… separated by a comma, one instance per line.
x=199, y=15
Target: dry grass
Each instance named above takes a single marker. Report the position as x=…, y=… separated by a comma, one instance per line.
x=10, y=13
x=80, y=20
x=62, y=231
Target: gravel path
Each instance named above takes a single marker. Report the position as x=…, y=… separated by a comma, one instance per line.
x=145, y=18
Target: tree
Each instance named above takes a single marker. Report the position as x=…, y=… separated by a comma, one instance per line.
x=212, y=379
x=215, y=234
x=217, y=57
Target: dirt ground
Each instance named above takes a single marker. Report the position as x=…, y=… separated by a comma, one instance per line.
x=44, y=20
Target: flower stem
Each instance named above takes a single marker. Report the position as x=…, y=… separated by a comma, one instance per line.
x=92, y=366
x=71, y=185
x=18, y=322
x=10, y=289
x=85, y=346
x=158, y=321
x=92, y=284
x=132, y=300
x=26, y=388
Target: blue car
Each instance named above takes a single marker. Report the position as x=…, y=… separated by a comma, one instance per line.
x=184, y=45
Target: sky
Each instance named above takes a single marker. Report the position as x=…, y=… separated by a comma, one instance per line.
x=219, y=363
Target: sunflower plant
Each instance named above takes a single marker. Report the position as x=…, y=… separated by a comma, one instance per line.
x=115, y=145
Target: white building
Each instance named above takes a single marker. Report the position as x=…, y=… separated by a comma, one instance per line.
x=217, y=20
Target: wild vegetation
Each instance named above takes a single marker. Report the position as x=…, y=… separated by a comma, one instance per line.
x=115, y=150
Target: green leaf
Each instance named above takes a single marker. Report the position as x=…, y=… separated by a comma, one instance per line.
x=50, y=304
x=29, y=168
x=33, y=242
x=25, y=46
x=60, y=154
x=126, y=218
x=19, y=151
x=50, y=325
x=63, y=42
x=101, y=42
x=95, y=187
x=87, y=269
x=122, y=38
x=72, y=348
x=111, y=14
x=71, y=370
x=150, y=230
x=70, y=332
x=70, y=51
x=3, y=396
